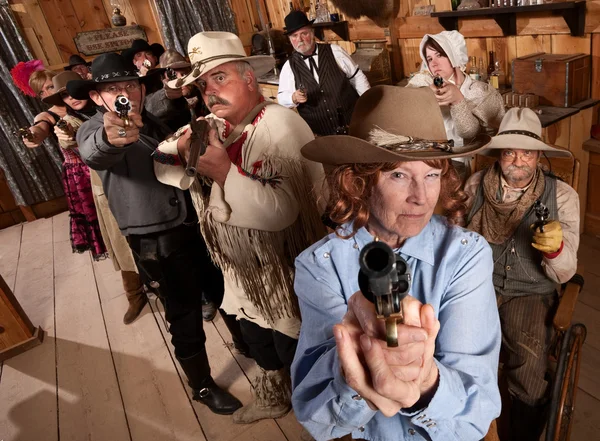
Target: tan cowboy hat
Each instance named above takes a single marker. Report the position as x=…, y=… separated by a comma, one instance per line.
x=60, y=85
x=521, y=129
x=392, y=124
x=208, y=50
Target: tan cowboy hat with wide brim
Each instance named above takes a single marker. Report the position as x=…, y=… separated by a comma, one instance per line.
x=208, y=50
x=521, y=129
x=60, y=85
x=403, y=111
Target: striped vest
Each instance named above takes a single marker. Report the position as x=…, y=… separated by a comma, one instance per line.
x=332, y=91
x=517, y=265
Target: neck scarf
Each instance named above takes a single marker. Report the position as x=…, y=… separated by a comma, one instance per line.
x=497, y=221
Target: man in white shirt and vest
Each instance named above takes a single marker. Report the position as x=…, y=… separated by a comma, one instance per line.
x=320, y=80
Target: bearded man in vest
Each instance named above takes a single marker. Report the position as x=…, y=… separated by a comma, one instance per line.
x=529, y=261
x=320, y=80
x=255, y=205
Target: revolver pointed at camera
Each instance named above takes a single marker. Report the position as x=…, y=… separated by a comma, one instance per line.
x=123, y=107
x=385, y=281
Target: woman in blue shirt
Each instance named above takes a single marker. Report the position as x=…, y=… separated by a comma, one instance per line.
x=385, y=181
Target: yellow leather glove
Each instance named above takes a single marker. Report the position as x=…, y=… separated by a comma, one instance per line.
x=549, y=241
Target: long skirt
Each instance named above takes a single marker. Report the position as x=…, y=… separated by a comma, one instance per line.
x=84, y=226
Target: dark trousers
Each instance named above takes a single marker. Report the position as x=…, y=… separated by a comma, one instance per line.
x=527, y=333
x=526, y=323
x=271, y=349
x=178, y=260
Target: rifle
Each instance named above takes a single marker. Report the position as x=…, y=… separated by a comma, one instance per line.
x=199, y=142
x=122, y=107
x=385, y=282
x=541, y=212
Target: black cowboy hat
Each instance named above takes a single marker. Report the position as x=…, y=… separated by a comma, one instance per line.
x=76, y=60
x=107, y=68
x=143, y=46
x=296, y=20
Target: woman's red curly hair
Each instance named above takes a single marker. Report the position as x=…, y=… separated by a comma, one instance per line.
x=351, y=186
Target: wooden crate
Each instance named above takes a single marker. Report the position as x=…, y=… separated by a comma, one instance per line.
x=559, y=80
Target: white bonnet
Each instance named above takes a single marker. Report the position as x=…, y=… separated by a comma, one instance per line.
x=453, y=44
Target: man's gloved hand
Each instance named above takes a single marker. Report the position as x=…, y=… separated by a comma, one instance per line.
x=549, y=241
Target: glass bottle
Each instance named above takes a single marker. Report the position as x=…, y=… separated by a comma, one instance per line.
x=498, y=77
x=482, y=72
x=473, y=72
x=291, y=7
x=322, y=12
x=490, y=67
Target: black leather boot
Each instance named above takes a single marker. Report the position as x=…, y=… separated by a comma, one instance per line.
x=205, y=390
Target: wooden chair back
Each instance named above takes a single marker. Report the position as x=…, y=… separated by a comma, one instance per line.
x=566, y=169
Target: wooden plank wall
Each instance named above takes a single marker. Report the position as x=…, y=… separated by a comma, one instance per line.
x=541, y=32
x=49, y=26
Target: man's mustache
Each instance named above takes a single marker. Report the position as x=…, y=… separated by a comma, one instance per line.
x=213, y=99
x=522, y=168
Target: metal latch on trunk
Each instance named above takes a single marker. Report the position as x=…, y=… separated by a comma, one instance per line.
x=538, y=65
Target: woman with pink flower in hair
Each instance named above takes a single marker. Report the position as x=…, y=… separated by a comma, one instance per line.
x=85, y=231
x=34, y=80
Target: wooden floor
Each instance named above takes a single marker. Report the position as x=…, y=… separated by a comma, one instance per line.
x=94, y=378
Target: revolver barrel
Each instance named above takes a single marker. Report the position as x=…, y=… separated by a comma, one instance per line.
x=541, y=212
x=122, y=107
x=389, y=283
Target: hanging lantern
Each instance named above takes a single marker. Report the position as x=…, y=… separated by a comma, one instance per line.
x=117, y=19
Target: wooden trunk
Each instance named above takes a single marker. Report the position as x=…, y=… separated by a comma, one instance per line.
x=559, y=80
x=17, y=334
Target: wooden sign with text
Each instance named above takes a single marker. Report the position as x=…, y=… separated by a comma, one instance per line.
x=108, y=40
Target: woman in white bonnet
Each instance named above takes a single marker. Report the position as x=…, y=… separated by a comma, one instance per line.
x=468, y=106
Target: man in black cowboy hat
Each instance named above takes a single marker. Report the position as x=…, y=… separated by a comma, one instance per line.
x=79, y=65
x=143, y=55
x=318, y=79
x=159, y=220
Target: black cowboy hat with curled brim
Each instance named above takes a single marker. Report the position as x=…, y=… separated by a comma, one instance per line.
x=76, y=60
x=410, y=115
x=108, y=68
x=60, y=82
x=143, y=46
x=295, y=20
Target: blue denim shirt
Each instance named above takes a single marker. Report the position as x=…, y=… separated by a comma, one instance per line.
x=451, y=270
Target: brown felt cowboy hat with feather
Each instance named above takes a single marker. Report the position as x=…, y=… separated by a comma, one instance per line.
x=392, y=124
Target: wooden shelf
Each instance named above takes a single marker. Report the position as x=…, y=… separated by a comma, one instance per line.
x=339, y=27
x=506, y=17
